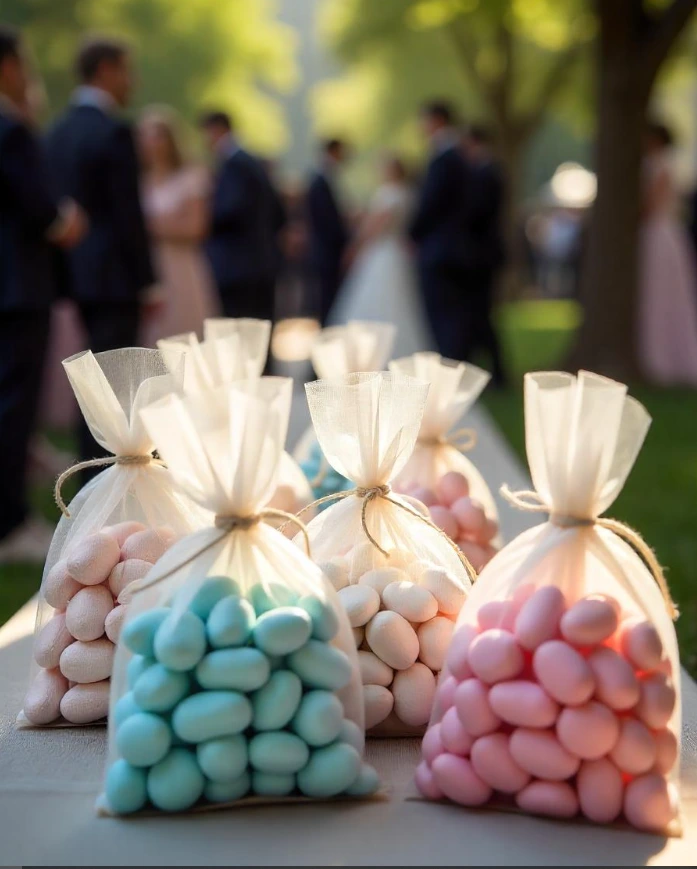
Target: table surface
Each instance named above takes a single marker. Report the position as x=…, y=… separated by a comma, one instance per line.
x=49, y=780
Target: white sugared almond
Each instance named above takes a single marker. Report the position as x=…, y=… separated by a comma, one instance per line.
x=410, y=600
x=114, y=622
x=52, y=639
x=447, y=591
x=382, y=577
x=378, y=703
x=92, y=559
x=88, y=662
x=414, y=690
x=393, y=640
x=87, y=612
x=373, y=670
x=83, y=704
x=59, y=586
x=361, y=602
x=434, y=639
x=336, y=572
x=123, y=530
x=127, y=572
x=42, y=701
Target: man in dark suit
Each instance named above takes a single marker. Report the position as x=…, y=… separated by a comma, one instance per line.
x=486, y=253
x=93, y=160
x=32, y=224
x=439, y=230
x=245, y=220
x=328, y=234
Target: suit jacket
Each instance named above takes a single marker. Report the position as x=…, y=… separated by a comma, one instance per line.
x=27, y=209
x=244, y=219
x=328, y=232
x=443, y=213
x=93, y=160
x=485, y=249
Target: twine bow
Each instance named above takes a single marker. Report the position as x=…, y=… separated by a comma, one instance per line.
x=461, y=439
x=97, y=463
x=531, y=502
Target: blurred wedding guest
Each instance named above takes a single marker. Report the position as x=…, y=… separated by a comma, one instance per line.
x=176, y=200
x=327, y=226
x=32, y=224
x=667, y=336
x=93, y=159
x=486, y=249
x=241, y=243
x=440, y=228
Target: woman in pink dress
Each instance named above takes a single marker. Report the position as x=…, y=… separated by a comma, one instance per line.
x=667, y=275
x=175, y=198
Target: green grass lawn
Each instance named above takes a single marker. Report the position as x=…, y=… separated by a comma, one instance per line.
x=660, y=496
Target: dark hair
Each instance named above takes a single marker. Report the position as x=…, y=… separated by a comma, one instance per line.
x=94, y=52
x=438, y=109
x=480, y=134
x=661, y=132
x=9, y=42
x=215, y=118
x=331, y=146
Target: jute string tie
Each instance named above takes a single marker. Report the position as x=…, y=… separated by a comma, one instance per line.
x=462, y=439
x=531, y=502
x=97, y=463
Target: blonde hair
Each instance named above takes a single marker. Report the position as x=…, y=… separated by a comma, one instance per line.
x=164, y=120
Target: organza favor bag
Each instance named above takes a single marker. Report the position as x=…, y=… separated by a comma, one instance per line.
x=438, y=472
x=561, y=691
x=236, y=349
x=115, y=528
x=337, y=351
x=236, y=676
x=400, y=578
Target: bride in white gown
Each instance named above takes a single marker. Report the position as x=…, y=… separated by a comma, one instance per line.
x=382, y=282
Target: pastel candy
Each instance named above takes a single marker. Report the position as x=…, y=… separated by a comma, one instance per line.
x=319, y=718
x=432, y=744
x=378, y=702
x=379, y=578
x=114, y=622
x=268, y=784
x=137, y=665
x=650, y=803
x=270, y=596
x=53, y=638
x=450, y=736
x=656, y=700
x=426, y=496
x=449, y=593
x=275, y=704
x=445, y=696
x=321, y=666
x=523, y=704
x=434, y=639
x=325, y=621
x=641, y=644
x=600, y=790
x=125, y=788
x=159, y=689
x=473, y=709
x=138, y=634
x=538, y=618
x=455, y=777
x=589, y=731
x=350, y=732
x=59, y=586
x=227, y=792
x=125, y=706
x=615, y=682
x=331, y=770
x=367, y=782
x=87, y=612
x=393, y=640
x=373, y=670
x=666, y=750
x=123, y=530
x=148, y=545
x=230, y=622
x=426, y=783
x=283, y=630
x=278, y=752
x=590, y=621
x=496, y=614
x=92, y=559
x=456, y=659
x=361, y=602
x=541, y=754
x=209, y=594
x=413, y=690
x=556, y=799
x=494, y=764
x=42, y=701
x=451, y=486
x=143, y=739
x=211, y=714
x=87, y=662
x=176, y=782
x=635, y=749
x=243, y=669
x=469, y=515
x=83, y=704
x=563, y=673
x=336, y=572
x=223, y=759
x=494, y=656
x=126, y=572
x=413, y=602
x=444, y=519
x=180, y=641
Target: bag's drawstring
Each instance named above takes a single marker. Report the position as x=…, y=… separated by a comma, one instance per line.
x=531, y=502
x=97, y=463
x=462, y=439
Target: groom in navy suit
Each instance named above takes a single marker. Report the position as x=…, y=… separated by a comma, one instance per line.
x=440, y=230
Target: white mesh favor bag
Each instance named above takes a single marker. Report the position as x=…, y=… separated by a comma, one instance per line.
x=401, y=580
x=561, y=691
x=116, y=527
x=438, y=472
x=236, y=676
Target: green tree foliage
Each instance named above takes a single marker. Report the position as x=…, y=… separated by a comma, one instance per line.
x=227, y=53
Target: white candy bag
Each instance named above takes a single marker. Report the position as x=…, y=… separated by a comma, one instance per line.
x=438, y=472
x=114, y=529
x=236, y=676
x=561, y=691
x=400, y=578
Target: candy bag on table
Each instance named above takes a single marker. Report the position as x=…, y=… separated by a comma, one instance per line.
x=561, y=691
x=438, y=471
x=400, y=578
x=236, y=676
x=337, y=351
x=236, y=349
x=115, y=528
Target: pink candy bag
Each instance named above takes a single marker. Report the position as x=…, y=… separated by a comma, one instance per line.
x=115, y=528
x=561, y=691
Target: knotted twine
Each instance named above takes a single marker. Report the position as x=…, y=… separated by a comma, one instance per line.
x=370, y=494
x=531, y=501
x=97, y=463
